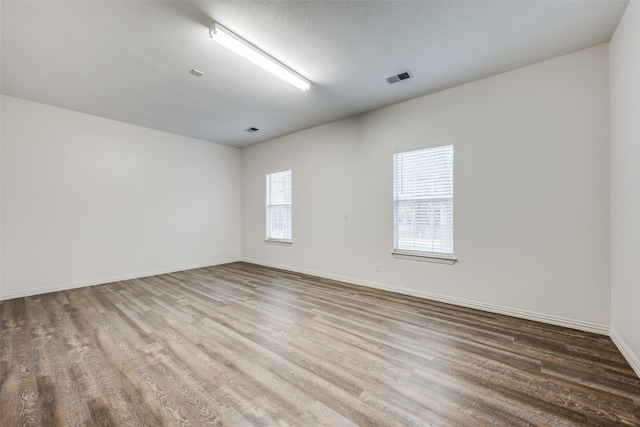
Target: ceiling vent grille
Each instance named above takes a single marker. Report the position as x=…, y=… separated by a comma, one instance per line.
x=398, y=77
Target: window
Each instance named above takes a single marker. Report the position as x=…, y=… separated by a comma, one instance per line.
x=279, y=206
x=423, y=202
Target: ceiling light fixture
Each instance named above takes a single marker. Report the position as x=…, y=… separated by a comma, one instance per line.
x=258, y=57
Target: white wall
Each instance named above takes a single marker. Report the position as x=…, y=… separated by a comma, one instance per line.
x=625, y=185
x=531, y=194
x=88, y=200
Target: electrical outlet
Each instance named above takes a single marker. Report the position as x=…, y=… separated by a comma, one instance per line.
x=378, y=267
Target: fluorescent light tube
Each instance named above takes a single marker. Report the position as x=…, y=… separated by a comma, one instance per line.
x=258, y=57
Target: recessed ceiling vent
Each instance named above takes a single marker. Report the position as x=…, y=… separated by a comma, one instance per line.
x=252, y=129
x=398, y=77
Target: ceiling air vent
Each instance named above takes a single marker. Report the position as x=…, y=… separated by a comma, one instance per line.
x=252, y=129
x=398, y=77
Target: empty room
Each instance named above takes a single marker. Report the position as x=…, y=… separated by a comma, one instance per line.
x=335, y=213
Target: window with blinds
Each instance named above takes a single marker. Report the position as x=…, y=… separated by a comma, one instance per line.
x=423, y=201
x=279, y=206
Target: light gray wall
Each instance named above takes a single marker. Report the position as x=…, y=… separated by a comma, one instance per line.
x=88, y=200
x=531, y=194
x=625, y=185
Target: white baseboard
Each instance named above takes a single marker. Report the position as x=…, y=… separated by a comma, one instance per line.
x=522, y=314
x=633, y=359
x=101, y=281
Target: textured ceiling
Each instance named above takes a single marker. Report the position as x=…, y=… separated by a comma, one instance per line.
x=130, y=61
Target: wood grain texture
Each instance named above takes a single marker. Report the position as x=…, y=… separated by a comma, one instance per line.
x=244, y=345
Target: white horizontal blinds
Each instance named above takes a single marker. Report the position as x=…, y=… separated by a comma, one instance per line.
x=423, y=200
x=279, y=205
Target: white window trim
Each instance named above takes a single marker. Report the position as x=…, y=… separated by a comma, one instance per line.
x=425, y=257
x=434, y=257
x=283, y=242
x=276, y=241
x=424, y=147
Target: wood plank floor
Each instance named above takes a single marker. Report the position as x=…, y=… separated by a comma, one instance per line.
x=244, y=345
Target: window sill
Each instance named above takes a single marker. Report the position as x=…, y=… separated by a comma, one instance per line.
x=282, y=242
x=420, y=256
